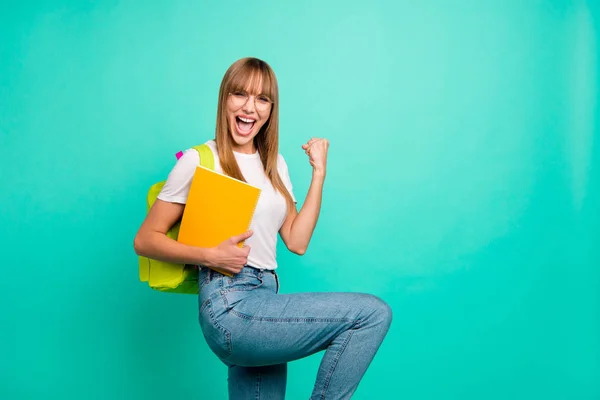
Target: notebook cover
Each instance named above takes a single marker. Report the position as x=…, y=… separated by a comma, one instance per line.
x=218, y=207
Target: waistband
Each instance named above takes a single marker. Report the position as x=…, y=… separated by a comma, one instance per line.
x=247, y=269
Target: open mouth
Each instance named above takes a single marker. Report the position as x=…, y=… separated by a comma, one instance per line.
x=244, y=125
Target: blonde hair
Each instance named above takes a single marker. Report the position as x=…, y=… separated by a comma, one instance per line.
x=245, y=74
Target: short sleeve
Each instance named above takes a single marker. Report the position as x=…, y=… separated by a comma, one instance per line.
x=178, y=182
x=282, y=168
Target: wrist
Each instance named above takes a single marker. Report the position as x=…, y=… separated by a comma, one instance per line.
x=205, y=256
x=319, y=173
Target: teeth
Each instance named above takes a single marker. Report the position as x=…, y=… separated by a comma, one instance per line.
x=246, y=119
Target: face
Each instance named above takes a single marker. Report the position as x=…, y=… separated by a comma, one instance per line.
x=247, y=112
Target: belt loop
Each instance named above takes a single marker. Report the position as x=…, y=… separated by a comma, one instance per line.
x=208, y=273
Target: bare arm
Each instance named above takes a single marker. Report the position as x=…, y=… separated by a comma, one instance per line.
x=298, y=228
x=151, y=241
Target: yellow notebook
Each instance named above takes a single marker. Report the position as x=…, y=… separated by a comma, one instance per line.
x=218, y=207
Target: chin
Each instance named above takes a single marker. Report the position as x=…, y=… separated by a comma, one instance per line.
x=241, y=141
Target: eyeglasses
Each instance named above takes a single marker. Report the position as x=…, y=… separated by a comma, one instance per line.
x=261, y=101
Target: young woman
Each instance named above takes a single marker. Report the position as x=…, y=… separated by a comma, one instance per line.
x=252, y=328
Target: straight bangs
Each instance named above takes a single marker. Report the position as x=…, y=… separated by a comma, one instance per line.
x=254, y=78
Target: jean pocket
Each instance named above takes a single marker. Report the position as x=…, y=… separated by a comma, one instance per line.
x=217, y=337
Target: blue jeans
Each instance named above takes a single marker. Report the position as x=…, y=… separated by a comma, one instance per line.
x=255, y=331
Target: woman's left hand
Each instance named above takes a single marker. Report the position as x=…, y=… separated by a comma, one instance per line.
x=316, y=149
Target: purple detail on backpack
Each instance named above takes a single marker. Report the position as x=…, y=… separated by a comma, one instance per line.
x=179, y=154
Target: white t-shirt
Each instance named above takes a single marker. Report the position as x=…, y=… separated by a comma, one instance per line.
x=271, y=209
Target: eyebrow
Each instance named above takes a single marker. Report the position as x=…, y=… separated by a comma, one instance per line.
x=252, y=92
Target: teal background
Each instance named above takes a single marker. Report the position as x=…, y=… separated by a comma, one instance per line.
x=463, y=187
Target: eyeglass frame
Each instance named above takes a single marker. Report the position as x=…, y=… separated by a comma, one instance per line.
x=248, y=96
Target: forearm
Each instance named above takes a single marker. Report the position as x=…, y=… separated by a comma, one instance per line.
x=158, y=246
x=305, y=222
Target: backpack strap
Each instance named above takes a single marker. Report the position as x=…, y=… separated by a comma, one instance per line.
x=207, y=159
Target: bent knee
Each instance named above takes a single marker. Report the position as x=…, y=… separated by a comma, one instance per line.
x=381, y=309
x=386, y=312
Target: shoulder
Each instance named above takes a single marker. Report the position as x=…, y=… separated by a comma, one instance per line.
x=281, y=161
x=213, y=145
x=183, y=170
x=282, y=167
x=187, y=163
x=176, y=187
x=190, y=158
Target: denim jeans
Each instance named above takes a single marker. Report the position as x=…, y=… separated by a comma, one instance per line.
x=255, y=331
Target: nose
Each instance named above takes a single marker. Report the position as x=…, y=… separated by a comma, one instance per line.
x=249, y=106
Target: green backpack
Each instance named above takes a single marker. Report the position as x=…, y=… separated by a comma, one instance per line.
x=165, y=276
